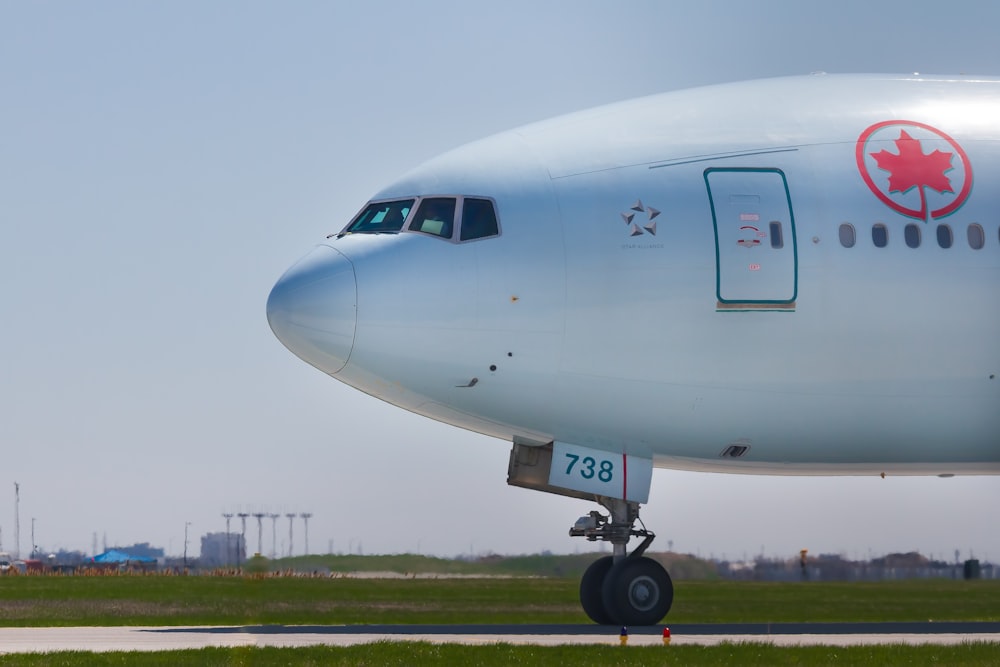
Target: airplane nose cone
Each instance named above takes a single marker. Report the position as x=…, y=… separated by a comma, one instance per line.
x=312, y=309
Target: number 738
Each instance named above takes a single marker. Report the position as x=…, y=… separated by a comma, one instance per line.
x=589, y=467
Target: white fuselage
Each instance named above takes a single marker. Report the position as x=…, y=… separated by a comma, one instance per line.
x=636, y=300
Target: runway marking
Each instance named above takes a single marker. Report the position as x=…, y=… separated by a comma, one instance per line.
x=100, y=639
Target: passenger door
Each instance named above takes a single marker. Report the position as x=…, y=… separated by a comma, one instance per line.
x=755, y=247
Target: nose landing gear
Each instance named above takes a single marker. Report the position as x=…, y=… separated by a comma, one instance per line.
x=626, y=588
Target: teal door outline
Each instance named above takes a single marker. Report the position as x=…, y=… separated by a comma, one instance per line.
x=756, y=252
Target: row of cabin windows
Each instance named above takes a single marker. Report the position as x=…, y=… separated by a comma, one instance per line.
x=476, y=218
x=912, y=235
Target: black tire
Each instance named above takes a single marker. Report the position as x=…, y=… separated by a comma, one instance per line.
x=637, y=591
x=592, y=590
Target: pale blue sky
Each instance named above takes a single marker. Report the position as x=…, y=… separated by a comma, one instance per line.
x=162, y=163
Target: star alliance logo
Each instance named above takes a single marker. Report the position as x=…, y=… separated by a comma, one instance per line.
x=647, y=222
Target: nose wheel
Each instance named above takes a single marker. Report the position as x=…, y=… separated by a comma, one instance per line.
x=637, y=591
x=620, y=589
x=623, y=589
x=592, y=590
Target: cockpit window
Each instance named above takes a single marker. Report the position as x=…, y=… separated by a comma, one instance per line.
x=435, y=215
x=479, y=219
x=381, y=217
x=438, y=216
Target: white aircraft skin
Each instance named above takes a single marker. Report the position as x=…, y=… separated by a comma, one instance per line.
x=638, y=300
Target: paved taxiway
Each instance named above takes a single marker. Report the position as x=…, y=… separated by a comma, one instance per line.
x=27, y=640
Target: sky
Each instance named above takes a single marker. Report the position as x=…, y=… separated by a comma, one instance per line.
x=161, y=164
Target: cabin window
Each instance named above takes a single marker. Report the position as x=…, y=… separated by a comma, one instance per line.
x=977, y=237
x=380, y=217
x=435, y=215
x=911, y=234
x=847, y=235
x=880, y=235
x=944, y=237
x=479, y=219
x=777, y=240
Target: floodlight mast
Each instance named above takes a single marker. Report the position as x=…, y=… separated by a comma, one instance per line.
x=228, y=516
x=186, y=524
x=17, y=520
x=260, y=532
x=274, y=534
x=291, y=518
x=243, y=535
x=305, y=520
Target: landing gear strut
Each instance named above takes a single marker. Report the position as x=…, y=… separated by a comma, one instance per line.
x=622, y=589
x=625, y=588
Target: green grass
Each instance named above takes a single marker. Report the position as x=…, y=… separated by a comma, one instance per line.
x=203, y=600
x=913, y=600
x=156, y=600
x=416, y=653
x=680, y=566
x=161, y=600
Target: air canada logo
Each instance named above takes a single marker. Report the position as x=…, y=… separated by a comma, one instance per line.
x=914, y=169
x=646, y=221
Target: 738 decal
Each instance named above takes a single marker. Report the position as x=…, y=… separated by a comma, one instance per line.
x=600, y=472
x=587, y=468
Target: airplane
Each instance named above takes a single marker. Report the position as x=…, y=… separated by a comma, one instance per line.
x=792, y=276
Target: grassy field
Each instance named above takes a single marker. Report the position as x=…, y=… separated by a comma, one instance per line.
x=680, y=566
x=205, y=600
x=216, y=600
x=414, y=653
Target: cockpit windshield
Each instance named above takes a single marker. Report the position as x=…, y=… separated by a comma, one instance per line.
x=381, y=217
x=436, y=216
x=472, y=217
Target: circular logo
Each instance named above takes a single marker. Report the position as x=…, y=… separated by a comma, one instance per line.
x=914, y=169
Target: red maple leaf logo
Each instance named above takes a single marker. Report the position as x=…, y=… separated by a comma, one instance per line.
x=911, y=168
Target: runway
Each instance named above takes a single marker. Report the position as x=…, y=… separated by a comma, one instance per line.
x=101, y=639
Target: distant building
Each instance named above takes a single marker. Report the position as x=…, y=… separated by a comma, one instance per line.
x=143, y=549
x=69, y=558
x=222, y=550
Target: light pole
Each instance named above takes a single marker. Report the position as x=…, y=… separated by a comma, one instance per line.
x=291, y=518
x=186, y=524
x=260, y=532
x=243, y=517
x=228, y=516
x=274, y=534
x=305, y=520
x=17, y=520
x=32, y=537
